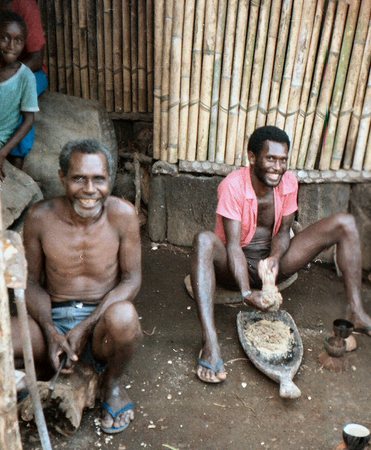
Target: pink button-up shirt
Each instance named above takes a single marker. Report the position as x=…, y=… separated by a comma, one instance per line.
x=237, y=201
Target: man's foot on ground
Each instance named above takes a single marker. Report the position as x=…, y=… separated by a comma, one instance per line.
x=210, y=373
x=362, y=324
x=117, y=413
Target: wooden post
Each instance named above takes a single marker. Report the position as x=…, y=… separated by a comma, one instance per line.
x=83, y=45
x=92, y=49
x=67, y=32
x=126, y=48
x=117, y=54
x=108, y=56
x=76, y=50
x=142, y=57
x=100, y=54
x=159, y=24
x=59, y=24
x=150, y=44
x=134, y=55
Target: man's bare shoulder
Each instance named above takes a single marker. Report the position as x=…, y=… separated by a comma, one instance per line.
x=45, y=208
x=119, y=209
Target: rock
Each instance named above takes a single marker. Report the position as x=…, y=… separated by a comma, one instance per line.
x=63, y=118
x=124, y=186
x=19, y=191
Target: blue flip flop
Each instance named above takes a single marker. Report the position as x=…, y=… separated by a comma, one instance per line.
x=216, y=369
x=114, y=414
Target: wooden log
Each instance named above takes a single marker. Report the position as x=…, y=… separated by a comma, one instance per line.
x=289, y=63
x=239, y=50
x=282, y=42
x=269, y=62
x=358, y=102
x=189, y=15
x=92, y=49
x=67, y=33
x=142, y=56
x=175, y=71
x=302, y=50
x=100, y=53
x=363, y=130
x=222, y=9
x=324, y=45
x=337, y=95
x=134, y=55
x=304, y=99
x=241, y=152
x=108, y=56
x=159, y=24
x=150, y=44
x=117, y=54
x=326, y=86
x=258, y=65
x=83, y=48
x=225, y=85
x=126, y=48
x=165, y=77
x=59, y=24
x=194, y=97
x=206, y=78
x=52, y=50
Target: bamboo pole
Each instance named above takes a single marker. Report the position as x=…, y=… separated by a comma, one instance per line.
x=108, y=56
x=239, y=50
x=279, y=61
x=159, y=24
x=337, y=95
x=226, y=80
x=175, y=70
x=326, y=86
x=206, y=78
x=363, y=130
x=126, y=48
x=142, y=56
x=117, y=54
x=269, y=62
x=241, y=153
x=194, y=97
x=185, y=76
x=52, y=50
x=306, y=28
x=134, y=55
x=351, y=82
x=222, y=9
x=60, y=46
x=304, y=99
x=165, y=78
x=358, y=102
x=289, y=63
x=257, y=70
x=367, y=163
x=150, y=44
x=316, y=80
x=67, y=33
x=83, y=47
x=92, y=49
x=100, y=53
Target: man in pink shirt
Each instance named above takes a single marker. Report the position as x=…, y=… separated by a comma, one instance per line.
x=255, y=212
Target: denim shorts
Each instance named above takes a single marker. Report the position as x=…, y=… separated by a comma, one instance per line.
x=66, y=315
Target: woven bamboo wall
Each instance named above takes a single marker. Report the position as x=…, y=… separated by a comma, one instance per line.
x=224, y=67
x=101, y=50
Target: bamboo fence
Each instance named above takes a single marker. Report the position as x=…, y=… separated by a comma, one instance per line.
x=214, y=70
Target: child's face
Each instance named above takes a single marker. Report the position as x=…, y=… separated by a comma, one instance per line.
x=12, y=40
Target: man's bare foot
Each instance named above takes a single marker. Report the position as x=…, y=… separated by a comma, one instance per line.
x=361, y=322
x=258, y=300
x=210, y=370
x=117, y=411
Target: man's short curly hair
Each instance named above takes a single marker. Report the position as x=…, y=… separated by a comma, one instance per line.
x=7, y=17
x=266, y=133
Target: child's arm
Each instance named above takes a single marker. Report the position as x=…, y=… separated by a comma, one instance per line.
x=19, y=134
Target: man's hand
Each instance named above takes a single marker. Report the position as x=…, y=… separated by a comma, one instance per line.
x=271, y=265
x=256, y=299
x=78, y=337
x=59, y=345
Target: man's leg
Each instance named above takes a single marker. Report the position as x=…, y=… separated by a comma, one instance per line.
x=339, y=229
x=209, y=260
x=114, y=340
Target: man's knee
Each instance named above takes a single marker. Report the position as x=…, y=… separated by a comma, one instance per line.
x=346, y=222
x=121, y=319
x=204, y=240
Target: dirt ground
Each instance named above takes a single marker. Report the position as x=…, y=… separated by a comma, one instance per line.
x=174, y=410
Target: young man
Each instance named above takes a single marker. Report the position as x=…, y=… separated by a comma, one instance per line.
x=84, y=271
x=256, y=208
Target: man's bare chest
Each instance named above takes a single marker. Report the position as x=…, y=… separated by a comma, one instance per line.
x=266, y=211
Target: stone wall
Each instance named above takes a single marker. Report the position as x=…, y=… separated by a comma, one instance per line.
x=183, y=204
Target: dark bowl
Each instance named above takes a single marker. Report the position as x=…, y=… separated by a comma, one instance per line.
x=334, y=346
x=356, y=436
x=342, y=328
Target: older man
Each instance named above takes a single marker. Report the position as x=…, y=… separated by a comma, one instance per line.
x=84, y=271
x=256, y=209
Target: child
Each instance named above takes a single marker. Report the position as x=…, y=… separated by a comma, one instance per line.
x=18, y=97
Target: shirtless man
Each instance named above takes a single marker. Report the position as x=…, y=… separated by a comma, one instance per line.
x=256, y=208
x=84, y=271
